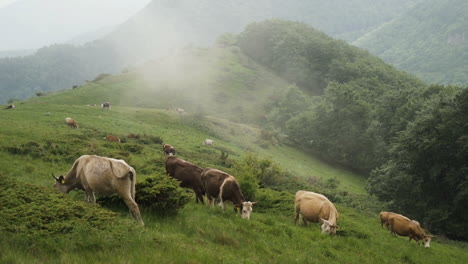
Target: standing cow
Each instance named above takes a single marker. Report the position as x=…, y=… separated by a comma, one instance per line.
x=315, y=207
x=188, y=174
x=208, y=142
x=105, y=106
x=112, y=138
x=71, y=122
x=404, y=226
x=101, y=176
x=224, y=187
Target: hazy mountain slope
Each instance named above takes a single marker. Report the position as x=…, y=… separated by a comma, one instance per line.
x=431, y=41
x=164, y=27
x=32, y=24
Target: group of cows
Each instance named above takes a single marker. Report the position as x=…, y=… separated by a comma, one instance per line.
x=97, y=175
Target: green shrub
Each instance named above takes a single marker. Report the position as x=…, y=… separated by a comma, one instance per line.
x=275, y=201
x=134, y=148
x=162, y=194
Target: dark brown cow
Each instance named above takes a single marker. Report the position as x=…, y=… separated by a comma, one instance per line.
x=9, y=107
x=169, y=150
x=188, y=174
x=112, y=138
x=222, y=186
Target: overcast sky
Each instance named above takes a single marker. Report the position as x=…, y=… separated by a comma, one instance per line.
x=32, y=24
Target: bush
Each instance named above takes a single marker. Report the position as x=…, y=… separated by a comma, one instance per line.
x=275, y=201
x=162, y=193
x=134, y=148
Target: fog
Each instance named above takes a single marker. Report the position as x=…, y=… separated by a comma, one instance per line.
x=31, y=24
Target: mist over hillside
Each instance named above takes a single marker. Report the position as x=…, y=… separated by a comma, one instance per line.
x=164, y=27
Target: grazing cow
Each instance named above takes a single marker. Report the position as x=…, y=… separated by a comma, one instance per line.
x=188, y=174
x=112, y=138
x=9, y=107
x=105, y=106
x=180, y=111
x=315, y=207
x=403, y=226
x=71, y=122
x=224, y=187
x=208, y=142
x=169, y=150
x=101, y=176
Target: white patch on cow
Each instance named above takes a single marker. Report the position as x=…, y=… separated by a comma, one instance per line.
x=221, y=203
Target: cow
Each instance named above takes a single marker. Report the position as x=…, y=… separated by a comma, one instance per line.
x=9, y=107
x=105, y=106
x=188, y=174
x=208, y=142
x=384, y=218
x=315, y=207
x=112, y=138
x=403, y=226
x=224, y=187
x=101, y=176
x=180, y=111
x=169, y=150
x=71, y=122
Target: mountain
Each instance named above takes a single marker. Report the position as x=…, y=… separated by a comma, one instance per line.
x=430, y=41
x=32, y=24
x=164, y=27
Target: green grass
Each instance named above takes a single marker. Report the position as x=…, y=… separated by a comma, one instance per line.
x=35, y=141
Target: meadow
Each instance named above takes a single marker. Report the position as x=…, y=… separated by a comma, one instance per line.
x=41, y=226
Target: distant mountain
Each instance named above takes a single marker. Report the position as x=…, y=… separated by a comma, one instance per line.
x=32, y=24
x=16, y=53
x=430, y=41
x=166, y=26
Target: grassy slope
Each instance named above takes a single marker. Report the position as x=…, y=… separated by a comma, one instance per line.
x=196, y=234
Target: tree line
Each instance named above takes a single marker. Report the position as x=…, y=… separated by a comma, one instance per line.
x=351, y=108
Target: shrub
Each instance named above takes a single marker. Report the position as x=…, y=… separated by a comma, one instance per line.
x=134, y=148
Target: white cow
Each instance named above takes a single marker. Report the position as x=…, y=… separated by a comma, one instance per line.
x=101, y=176
x=208, y=142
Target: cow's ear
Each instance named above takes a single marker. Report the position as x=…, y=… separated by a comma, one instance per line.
x=62, y=179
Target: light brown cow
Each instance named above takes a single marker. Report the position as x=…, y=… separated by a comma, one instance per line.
x=224, y=187
x=315, y=207
x=101, y=176
x=403, y=226
x=71, y=122
x=112, y=138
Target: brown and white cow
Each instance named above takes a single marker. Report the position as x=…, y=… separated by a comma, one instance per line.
x=101, y=176
x=169, y=150
x=71, y=122
x=403, y=226
x=112, y=138
x=315, y=207
x=188, y=174
x=224, y=187
x=9, y=107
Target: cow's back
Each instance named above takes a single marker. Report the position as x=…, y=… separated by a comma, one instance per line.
x=104, y=175
x=212, y=180
x=314, y=206
x=400, y=224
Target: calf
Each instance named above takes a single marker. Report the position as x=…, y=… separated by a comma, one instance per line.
x=71, y=122
x=224, y=187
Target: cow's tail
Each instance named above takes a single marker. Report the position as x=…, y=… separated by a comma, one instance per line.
x=132, y=175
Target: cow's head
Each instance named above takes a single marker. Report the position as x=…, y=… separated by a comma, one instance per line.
x=60, y=184
x=328, y=227
x=247, y=209
x=426, y=240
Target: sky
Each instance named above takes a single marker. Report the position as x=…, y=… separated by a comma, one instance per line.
x=32, y=24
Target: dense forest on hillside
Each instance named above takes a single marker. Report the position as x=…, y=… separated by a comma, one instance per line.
x=372, y=118
x=164, y=27
x=430, y=41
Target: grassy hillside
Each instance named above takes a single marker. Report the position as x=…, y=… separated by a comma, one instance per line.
x=35, y=142
x=429, y=41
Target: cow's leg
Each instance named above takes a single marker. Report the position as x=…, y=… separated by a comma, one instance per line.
x=134, y=210
x=90, y=197
x=304, y=220
x=296, y=217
